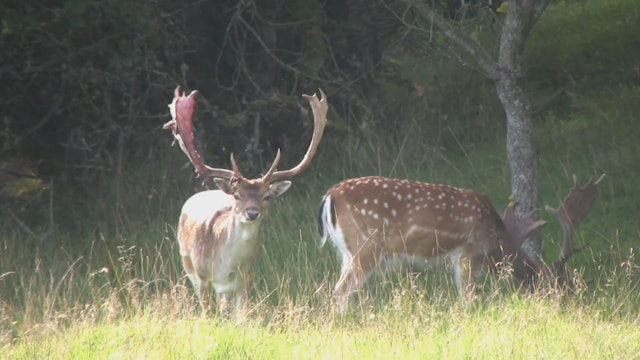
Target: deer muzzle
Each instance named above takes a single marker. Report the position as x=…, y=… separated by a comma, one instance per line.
x=252, y=214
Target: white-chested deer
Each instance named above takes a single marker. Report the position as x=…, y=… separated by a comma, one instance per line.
x=372, y=220
x=218, y=230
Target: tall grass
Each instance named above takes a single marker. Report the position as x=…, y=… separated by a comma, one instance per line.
x=118, y=295
x=122, y=293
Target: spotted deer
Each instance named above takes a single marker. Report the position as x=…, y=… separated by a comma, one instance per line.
x=218, y=230
x=374, y=220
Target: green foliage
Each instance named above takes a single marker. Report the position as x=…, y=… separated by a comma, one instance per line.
x=19, y=181
x=577, y=42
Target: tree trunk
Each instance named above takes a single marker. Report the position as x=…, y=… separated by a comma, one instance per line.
x=520, y=18
x=506, y=71
x=521, y=151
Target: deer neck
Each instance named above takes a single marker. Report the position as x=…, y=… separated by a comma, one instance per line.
x=240, y=232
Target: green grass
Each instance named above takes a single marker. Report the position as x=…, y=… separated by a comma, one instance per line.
x=504, y=327
x=115, y=296
x=122, y=294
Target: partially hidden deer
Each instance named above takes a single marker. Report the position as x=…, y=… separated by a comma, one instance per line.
x=218, y=230
x=373, y=220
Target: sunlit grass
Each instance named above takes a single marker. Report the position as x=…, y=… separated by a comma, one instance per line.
x=501, y=327
x=124, y=296
x=130, y=300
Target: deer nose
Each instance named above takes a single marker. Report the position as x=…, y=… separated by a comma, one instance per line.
x=252, y=214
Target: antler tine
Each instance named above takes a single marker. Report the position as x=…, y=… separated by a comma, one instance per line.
x=273, y=167
x=319, y=108
x=181, y=109
x=234, y=165
x=573, y=210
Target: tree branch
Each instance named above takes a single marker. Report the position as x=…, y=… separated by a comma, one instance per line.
x=521, y=16
x=460, y=38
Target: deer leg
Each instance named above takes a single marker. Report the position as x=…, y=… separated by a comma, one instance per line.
x=241, y=300
x=223, y=300
x=349, y=284
x=193, y=277
x=204, y=295
x=200, y=285
x=465, y=272
x=339, y=294
x=352, y=277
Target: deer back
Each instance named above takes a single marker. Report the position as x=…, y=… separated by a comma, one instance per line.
x=414, y=217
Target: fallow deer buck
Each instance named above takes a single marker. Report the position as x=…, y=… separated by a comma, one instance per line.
x=218, y=230
x=373, y=220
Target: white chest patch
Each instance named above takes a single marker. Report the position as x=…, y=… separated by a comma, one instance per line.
x=235, y=257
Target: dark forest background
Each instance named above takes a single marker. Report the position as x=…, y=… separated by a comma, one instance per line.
x=84, y=88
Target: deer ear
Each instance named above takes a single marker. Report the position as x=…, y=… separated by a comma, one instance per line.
x=225, y=185
x=278, y=188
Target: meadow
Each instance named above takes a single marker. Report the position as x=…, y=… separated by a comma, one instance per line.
x=123, y=295
x=102, y=279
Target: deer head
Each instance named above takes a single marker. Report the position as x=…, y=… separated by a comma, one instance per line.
x=218, y=229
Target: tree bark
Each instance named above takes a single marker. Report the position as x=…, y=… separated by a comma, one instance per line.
x=521, y=16
x=521, y=152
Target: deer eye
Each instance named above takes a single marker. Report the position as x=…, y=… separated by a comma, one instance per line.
x=236, y=196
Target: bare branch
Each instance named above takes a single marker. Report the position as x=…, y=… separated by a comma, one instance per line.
x=463, y=40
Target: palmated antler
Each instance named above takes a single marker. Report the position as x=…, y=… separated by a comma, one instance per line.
x=520, y=229
x=181, y=109
x=571, y=212
x=319, y=108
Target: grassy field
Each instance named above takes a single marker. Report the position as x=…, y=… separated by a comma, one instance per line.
x=112, y=295
x=511, y=328
x=116, y=296
x=110, y=285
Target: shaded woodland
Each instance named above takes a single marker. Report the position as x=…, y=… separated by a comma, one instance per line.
x=85, y=87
